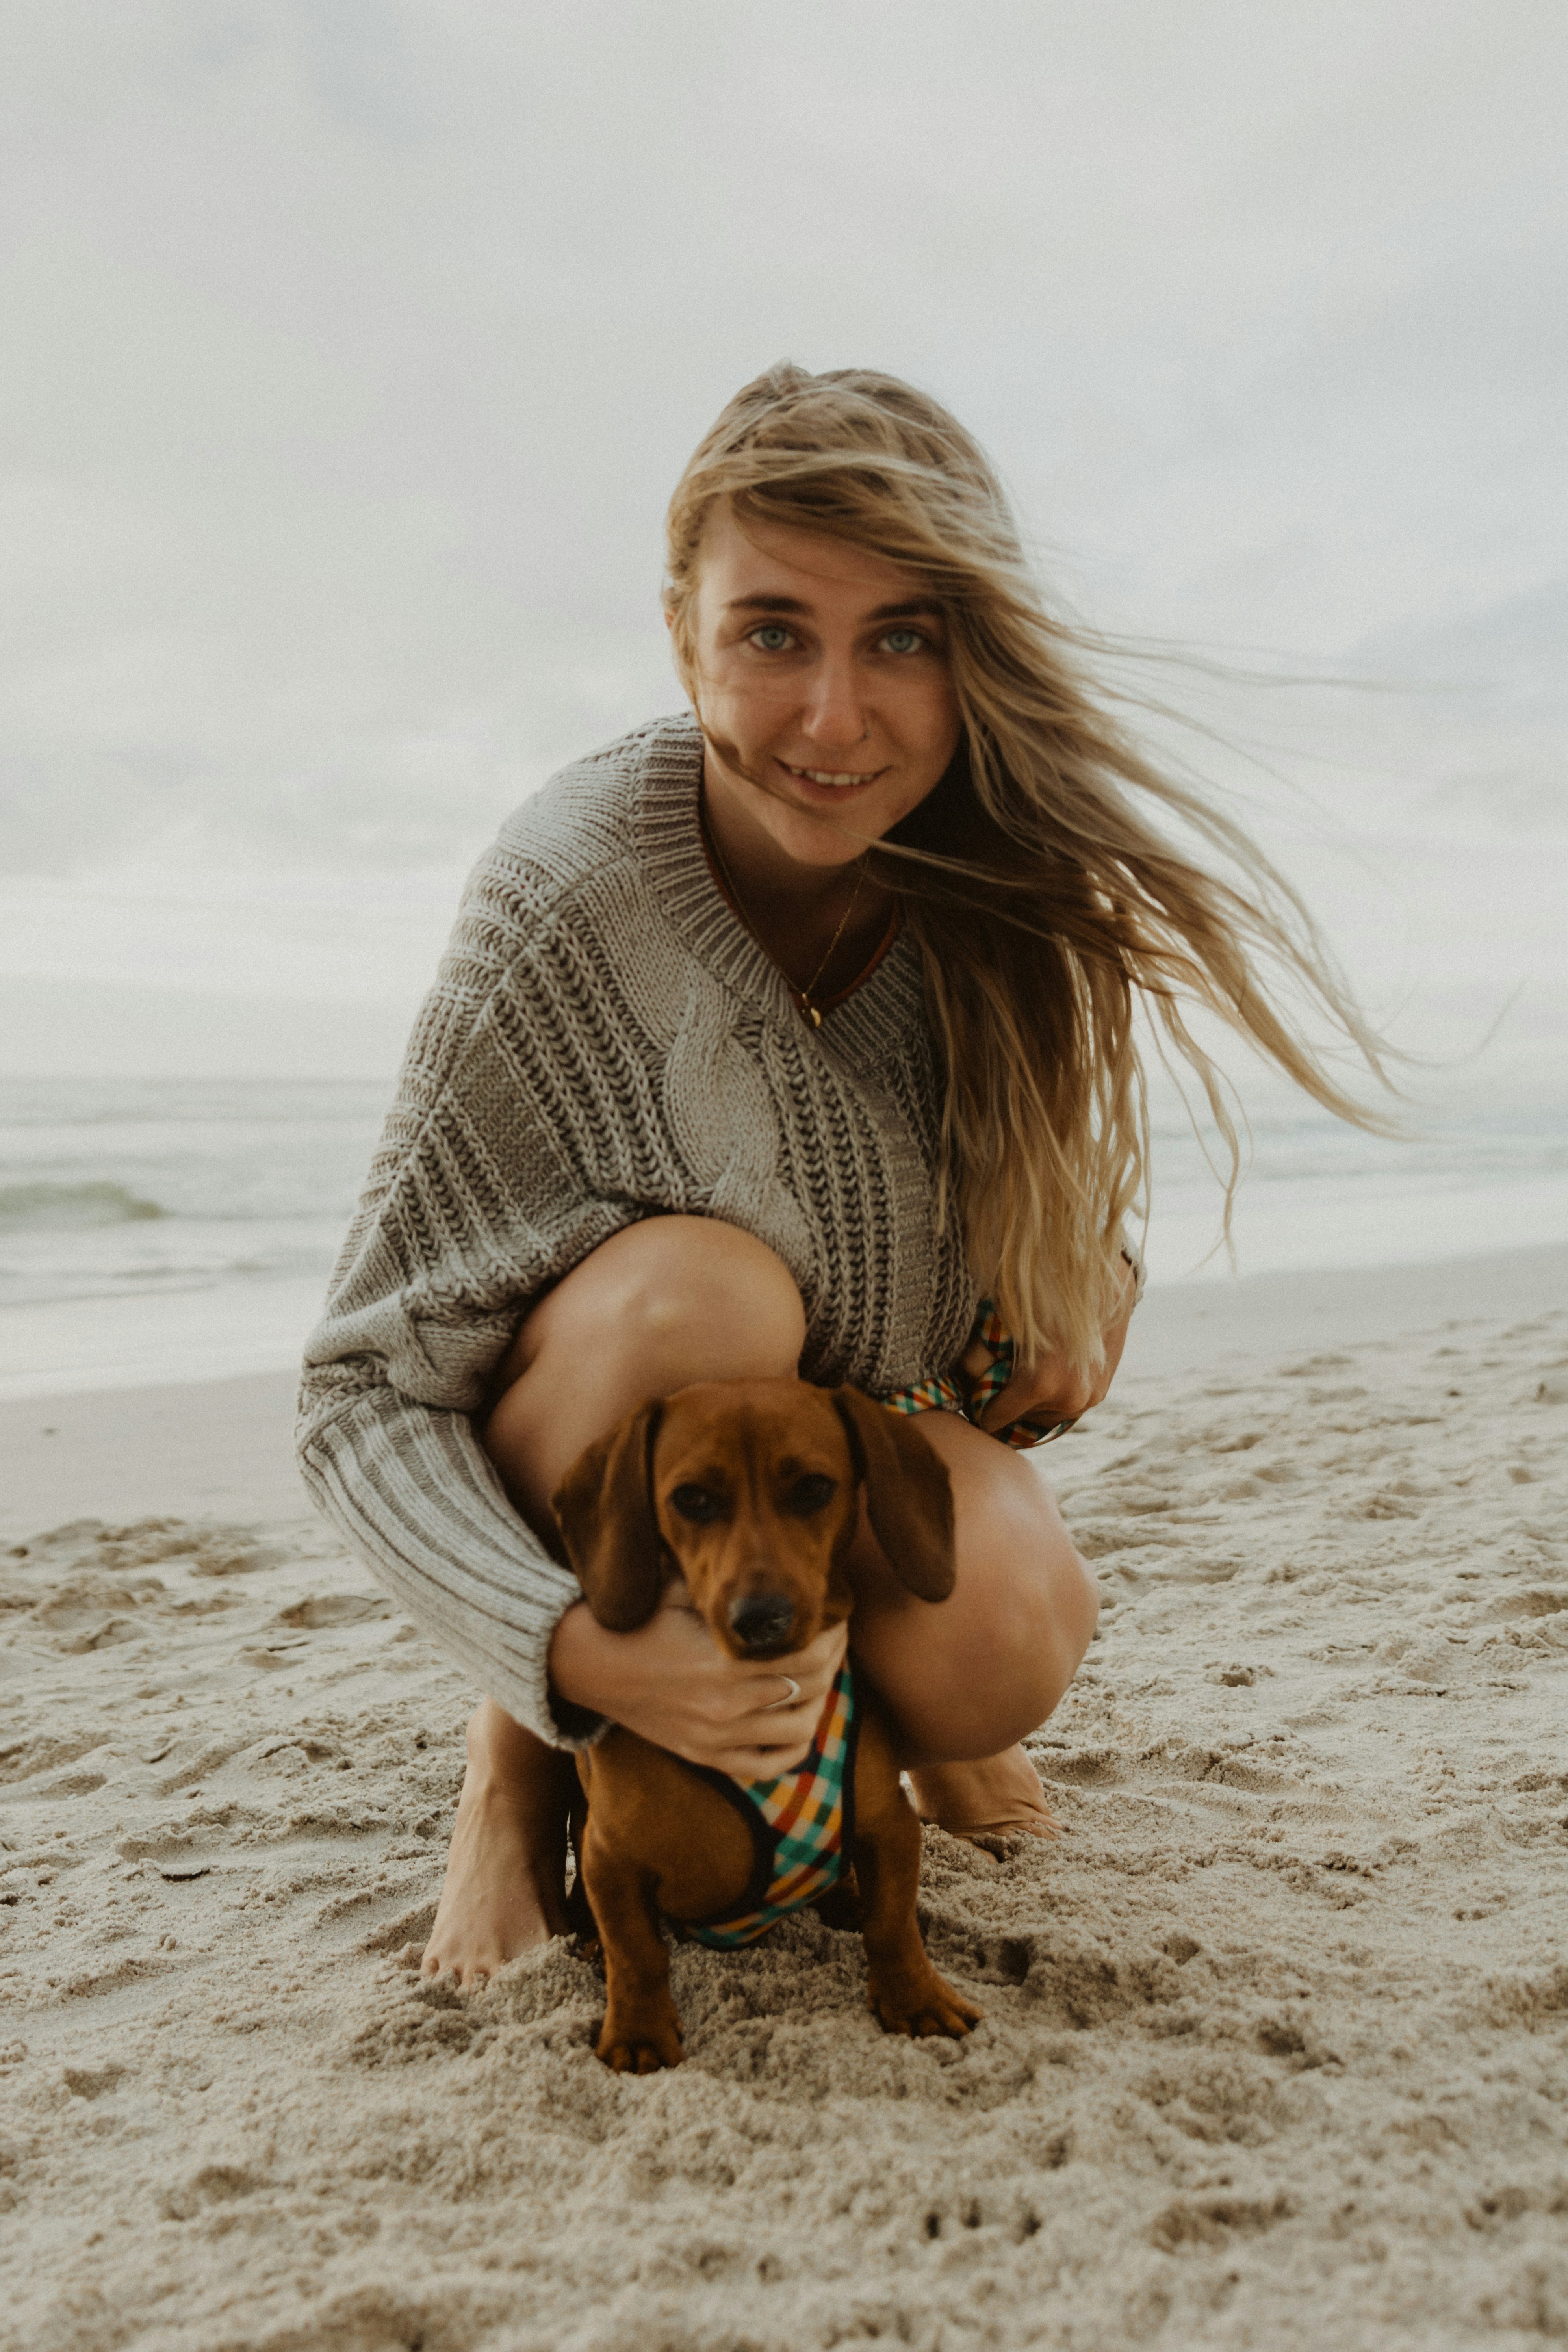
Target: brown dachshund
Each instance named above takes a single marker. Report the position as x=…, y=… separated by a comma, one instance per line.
x=750, y=1490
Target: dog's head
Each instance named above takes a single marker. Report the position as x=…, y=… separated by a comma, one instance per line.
x=750, y=1490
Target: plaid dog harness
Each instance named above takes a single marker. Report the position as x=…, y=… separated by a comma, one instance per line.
x=800, y=1825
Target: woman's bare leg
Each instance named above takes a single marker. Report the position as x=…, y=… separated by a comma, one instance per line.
x=968, y=1682
x=506, y=1868
x=677, y=1299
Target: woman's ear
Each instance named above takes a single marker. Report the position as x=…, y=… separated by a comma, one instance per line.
x=603, y=1507
x=908, y=1492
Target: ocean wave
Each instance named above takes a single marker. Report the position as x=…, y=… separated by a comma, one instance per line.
x=44, y=1207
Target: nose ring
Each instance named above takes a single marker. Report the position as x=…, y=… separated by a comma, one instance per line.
x=789, y=1697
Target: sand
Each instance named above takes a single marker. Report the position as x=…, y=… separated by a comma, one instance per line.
x=1276, y=2049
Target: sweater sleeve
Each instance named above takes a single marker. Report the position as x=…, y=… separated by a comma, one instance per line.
x=479, y=1197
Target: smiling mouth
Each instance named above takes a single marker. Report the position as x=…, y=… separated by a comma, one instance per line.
x=839, y=780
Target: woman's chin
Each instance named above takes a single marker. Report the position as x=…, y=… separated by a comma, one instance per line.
x=819, y=825
x=806, y=838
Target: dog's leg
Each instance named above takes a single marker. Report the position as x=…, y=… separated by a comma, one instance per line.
x=841, y=1906
x=905, y=1992
x=641, y=2031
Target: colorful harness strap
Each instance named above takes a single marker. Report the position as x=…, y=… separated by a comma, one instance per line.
x=801, y=1824
x=968, y=1393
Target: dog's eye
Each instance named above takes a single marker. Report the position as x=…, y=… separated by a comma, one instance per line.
x=698, y=1504
x=810, y=1494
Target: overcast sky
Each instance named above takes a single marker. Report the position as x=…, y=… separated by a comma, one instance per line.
x=353, y=347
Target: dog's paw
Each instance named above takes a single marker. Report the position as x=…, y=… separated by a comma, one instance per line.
x=638, y=2045
x=924, y=2010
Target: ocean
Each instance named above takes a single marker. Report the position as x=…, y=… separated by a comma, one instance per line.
x=162, y=1230
x=167, y=1230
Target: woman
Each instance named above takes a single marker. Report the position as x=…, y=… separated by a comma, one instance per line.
x=793, y=1036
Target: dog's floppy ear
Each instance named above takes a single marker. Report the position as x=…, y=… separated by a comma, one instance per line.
x=604, y=1507
x=908, y=1492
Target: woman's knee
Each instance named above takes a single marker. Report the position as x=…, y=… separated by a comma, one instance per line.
x=685, y=1297
x=989, y=1665
x=1029, y=1618
x=661, y=1304
x=1038, y=1617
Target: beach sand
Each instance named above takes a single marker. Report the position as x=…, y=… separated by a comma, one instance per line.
x=1276, y=2045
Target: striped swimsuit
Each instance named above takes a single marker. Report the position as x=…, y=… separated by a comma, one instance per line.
x=968, y=1393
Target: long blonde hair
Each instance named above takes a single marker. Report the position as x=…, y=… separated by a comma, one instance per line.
x=1044, y=901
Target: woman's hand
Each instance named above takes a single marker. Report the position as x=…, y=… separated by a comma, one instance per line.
x=1051, y=1386
x=671, y=1684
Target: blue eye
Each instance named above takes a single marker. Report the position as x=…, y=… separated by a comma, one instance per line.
x=771, y=638
x=903, y=641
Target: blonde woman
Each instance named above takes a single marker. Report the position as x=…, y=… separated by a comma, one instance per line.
x=795, y=1035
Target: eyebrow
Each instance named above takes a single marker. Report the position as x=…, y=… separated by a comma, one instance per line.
x=912, y=608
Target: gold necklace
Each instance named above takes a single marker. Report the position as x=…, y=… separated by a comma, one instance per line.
x=809, y=1012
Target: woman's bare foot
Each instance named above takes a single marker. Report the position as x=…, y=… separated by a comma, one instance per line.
x=505, y=1886
x=994, y=1796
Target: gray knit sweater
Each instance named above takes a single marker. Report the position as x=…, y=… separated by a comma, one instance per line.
x=605, y=1041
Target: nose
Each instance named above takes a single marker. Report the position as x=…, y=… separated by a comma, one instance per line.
x=834, y=716
x=763, y=1620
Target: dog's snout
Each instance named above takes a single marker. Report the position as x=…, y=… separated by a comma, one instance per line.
x=763, y=1620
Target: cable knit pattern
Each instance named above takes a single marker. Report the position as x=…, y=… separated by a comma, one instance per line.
x=606, y=1041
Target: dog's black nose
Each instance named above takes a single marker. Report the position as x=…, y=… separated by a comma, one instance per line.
x=761, y=1620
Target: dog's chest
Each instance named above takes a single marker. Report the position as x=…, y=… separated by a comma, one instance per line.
x=800, y=1824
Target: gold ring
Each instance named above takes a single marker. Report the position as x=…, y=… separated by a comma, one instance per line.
x=790, y=1698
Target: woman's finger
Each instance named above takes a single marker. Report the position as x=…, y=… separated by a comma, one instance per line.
x=793, y=1730
x=768, y=1689
x=742, y=1718
x=761, y=1763
x=744, y=1710
x=769, y=1702
x=756, y=1752
x=774, y=1695
x=761, y=1737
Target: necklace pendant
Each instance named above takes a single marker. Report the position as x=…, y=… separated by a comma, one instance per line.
x=811, y=1013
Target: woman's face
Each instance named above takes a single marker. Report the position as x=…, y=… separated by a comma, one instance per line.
x=823, y=687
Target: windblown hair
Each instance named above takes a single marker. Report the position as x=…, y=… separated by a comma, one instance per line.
x=1044, y=901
